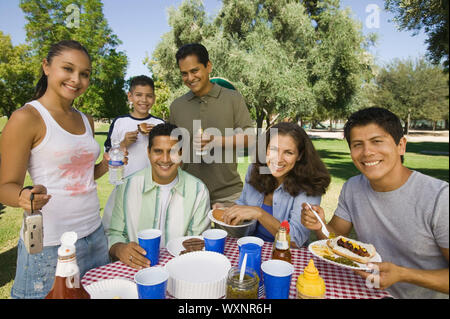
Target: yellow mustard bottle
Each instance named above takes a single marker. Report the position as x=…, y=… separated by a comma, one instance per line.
x=309, y=284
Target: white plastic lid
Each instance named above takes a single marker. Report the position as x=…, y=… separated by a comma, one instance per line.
x=68, y=240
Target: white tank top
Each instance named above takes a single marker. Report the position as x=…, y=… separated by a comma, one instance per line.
x=64, y=164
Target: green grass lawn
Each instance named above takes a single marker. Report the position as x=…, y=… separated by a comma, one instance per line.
x=334, y=153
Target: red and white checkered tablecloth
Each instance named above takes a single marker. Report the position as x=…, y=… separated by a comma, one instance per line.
x=341, y=283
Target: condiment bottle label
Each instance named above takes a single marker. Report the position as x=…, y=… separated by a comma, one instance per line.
x=282, y=245
x=73, y=281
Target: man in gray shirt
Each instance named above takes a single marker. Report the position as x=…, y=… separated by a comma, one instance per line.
x=403, y=213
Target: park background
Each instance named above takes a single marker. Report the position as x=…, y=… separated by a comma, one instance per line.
x=311, y=61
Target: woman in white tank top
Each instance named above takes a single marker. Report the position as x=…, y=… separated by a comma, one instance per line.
x=56, y=144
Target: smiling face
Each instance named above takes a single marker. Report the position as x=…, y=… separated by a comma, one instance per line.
x=68, y=74
x=142, y=97
x=376, y=155
x=195, y=75
x=164, y=163
x=282, y=154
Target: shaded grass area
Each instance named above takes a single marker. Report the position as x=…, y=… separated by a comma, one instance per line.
x=334, y=153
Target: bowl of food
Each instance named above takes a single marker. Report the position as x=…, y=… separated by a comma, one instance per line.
x=243, y=229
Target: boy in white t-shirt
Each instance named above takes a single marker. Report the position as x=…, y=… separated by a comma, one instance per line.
x=125, y=128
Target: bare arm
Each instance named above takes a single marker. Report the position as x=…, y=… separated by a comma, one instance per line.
x=237, y=213
x=389, y=273
x=336, y=225
x=23, y=131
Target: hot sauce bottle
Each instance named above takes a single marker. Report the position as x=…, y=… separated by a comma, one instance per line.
x=281, y=245
x=67, y=278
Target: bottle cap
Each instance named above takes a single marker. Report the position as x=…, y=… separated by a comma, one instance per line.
x=311, y=268
x=285, y=225
x=68, y=240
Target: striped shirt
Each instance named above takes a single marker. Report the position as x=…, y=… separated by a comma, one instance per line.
x=137, y=207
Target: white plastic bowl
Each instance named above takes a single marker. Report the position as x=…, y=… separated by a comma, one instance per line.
x=198, y=275
x=236, y=231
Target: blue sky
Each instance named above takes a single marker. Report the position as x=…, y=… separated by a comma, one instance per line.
x=139, y=24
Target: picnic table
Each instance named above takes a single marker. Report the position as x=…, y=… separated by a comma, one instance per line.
x=341, y=283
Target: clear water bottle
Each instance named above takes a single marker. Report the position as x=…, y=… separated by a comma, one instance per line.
x=116, y=163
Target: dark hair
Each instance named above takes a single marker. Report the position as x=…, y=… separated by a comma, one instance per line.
x=384, y=118
x=309, y=173
x=56, y=50
x=163, y=129
x=141, y=80
x=193, y=49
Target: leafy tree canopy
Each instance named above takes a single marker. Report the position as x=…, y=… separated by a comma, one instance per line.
x=50, y=21
x=284, y=56
x=429, y=15
x=413, y=89
x=16, y=75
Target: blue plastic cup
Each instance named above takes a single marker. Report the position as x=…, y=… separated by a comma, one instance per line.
x=150, y=239
x=215, y=240
x=152, y=283
x=253, y=252
x=277, y=275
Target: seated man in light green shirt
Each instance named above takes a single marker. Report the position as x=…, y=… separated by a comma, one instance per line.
x=161, y=196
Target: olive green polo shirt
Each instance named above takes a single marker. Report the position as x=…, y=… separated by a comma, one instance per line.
x=220, y=108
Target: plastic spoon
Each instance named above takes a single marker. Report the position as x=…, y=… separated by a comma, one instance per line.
x=244, y=264
x=324, y=228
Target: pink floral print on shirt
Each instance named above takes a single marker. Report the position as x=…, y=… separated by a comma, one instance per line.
x=76, y=172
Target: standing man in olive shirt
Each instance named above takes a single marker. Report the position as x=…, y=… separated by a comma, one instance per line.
x=214, y=109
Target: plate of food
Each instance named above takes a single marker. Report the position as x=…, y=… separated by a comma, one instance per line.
x=182, y=245
x=345, y=252
x=116, y=288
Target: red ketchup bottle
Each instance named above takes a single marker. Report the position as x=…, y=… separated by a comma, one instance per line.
x=67, y=278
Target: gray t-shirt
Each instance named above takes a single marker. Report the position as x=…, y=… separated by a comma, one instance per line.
x=407, y=226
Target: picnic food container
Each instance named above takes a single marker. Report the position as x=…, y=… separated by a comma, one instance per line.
x=236, y=231
x=245, y=289
x=198, y=275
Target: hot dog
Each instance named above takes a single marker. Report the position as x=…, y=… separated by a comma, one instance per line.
x=352, y=249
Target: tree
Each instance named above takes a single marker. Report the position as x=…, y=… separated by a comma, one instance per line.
x=339, y=62
x=16, y=75
x=430, y=15
x=413, y=89
x=271, y=50
x=50, y=21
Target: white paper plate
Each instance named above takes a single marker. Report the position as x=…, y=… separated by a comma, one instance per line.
x=198, y=275
x=175, y=245
x=244, y=224
x=113, y=289
x=361, y=266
